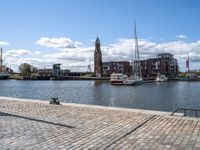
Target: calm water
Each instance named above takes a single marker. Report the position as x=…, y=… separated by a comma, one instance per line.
x=166, y=96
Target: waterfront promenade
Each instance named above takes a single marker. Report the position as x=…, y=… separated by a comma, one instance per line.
x=26, y=124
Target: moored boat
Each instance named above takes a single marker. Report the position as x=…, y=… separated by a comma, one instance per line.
x=133, y=80
x=136, y=77
x=117, y=78
x=161, y=78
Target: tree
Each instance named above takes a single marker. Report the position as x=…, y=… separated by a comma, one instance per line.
x=25, y=69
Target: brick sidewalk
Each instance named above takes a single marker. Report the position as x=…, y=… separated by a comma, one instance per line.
x=32, y=125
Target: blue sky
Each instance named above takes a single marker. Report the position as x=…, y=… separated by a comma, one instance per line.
x=29, y=27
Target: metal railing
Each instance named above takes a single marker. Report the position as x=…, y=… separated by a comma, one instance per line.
x=185, y=110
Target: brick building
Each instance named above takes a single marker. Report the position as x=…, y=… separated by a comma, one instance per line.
x=165, y=64
x=117, y=67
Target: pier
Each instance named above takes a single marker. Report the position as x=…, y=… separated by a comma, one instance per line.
x=34, y=124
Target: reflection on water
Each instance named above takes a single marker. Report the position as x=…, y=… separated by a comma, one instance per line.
x=165, y=96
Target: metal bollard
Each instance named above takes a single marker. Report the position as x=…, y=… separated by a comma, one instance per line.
x=55, y=101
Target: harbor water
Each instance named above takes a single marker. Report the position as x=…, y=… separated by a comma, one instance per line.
x=163, y=96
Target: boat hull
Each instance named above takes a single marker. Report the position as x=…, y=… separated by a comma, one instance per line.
x=117, y=78
x=116, y=82
x=133, y=82
x=161, y=79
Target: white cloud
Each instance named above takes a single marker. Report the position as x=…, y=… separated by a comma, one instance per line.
x=58, y=42
x=123, y=49
x=181, y=36
x=4, y=43
x=15, y=53
x=77, y=56
x=92, y=40
x=73, y=58
x=37, y=52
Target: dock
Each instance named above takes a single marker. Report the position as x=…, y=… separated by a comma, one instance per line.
x=36, y=124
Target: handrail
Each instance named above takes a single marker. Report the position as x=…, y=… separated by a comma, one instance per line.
x=185, y=110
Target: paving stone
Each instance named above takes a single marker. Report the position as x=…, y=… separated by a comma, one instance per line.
x=38, y=125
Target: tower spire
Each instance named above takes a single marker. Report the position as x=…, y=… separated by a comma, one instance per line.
x=97, y=39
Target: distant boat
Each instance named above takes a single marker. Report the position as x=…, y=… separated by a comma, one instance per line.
x=161, y=78
x=189, y=74
x=3, y=74
x=117, y=78
x=136, y=78
x=133, y=80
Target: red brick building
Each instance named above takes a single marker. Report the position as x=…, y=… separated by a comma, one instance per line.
x=117, y=67
x=165, y=64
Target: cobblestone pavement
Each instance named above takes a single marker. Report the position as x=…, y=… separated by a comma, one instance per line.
x=32, y=125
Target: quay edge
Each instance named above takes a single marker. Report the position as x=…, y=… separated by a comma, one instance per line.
x=36, y=124
x=145, y=111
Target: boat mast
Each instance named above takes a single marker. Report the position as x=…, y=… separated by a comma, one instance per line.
x=1, y=60
x=136, y=43
x=188, y=64
x=137, y=57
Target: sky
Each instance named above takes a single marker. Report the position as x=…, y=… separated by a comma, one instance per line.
x=44, y=32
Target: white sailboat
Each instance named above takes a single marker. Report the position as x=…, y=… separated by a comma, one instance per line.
x=136, y=77
x=160, y=77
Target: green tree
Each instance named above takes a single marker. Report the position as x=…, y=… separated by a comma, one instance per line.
x=25, y=69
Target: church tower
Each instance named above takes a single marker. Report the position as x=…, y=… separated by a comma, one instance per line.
x=98, y=65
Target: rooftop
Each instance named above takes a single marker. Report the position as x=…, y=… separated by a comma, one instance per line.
x=164, y=55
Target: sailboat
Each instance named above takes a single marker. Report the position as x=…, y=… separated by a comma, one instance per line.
x=160, y=77
x=3, y=74
x=189, y=74
x=136, y=77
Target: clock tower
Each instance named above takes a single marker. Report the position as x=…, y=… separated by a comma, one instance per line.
x=98, y=64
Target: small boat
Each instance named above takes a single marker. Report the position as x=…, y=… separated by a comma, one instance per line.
x=117, y=78
x=161, y=78
x=133, y=80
